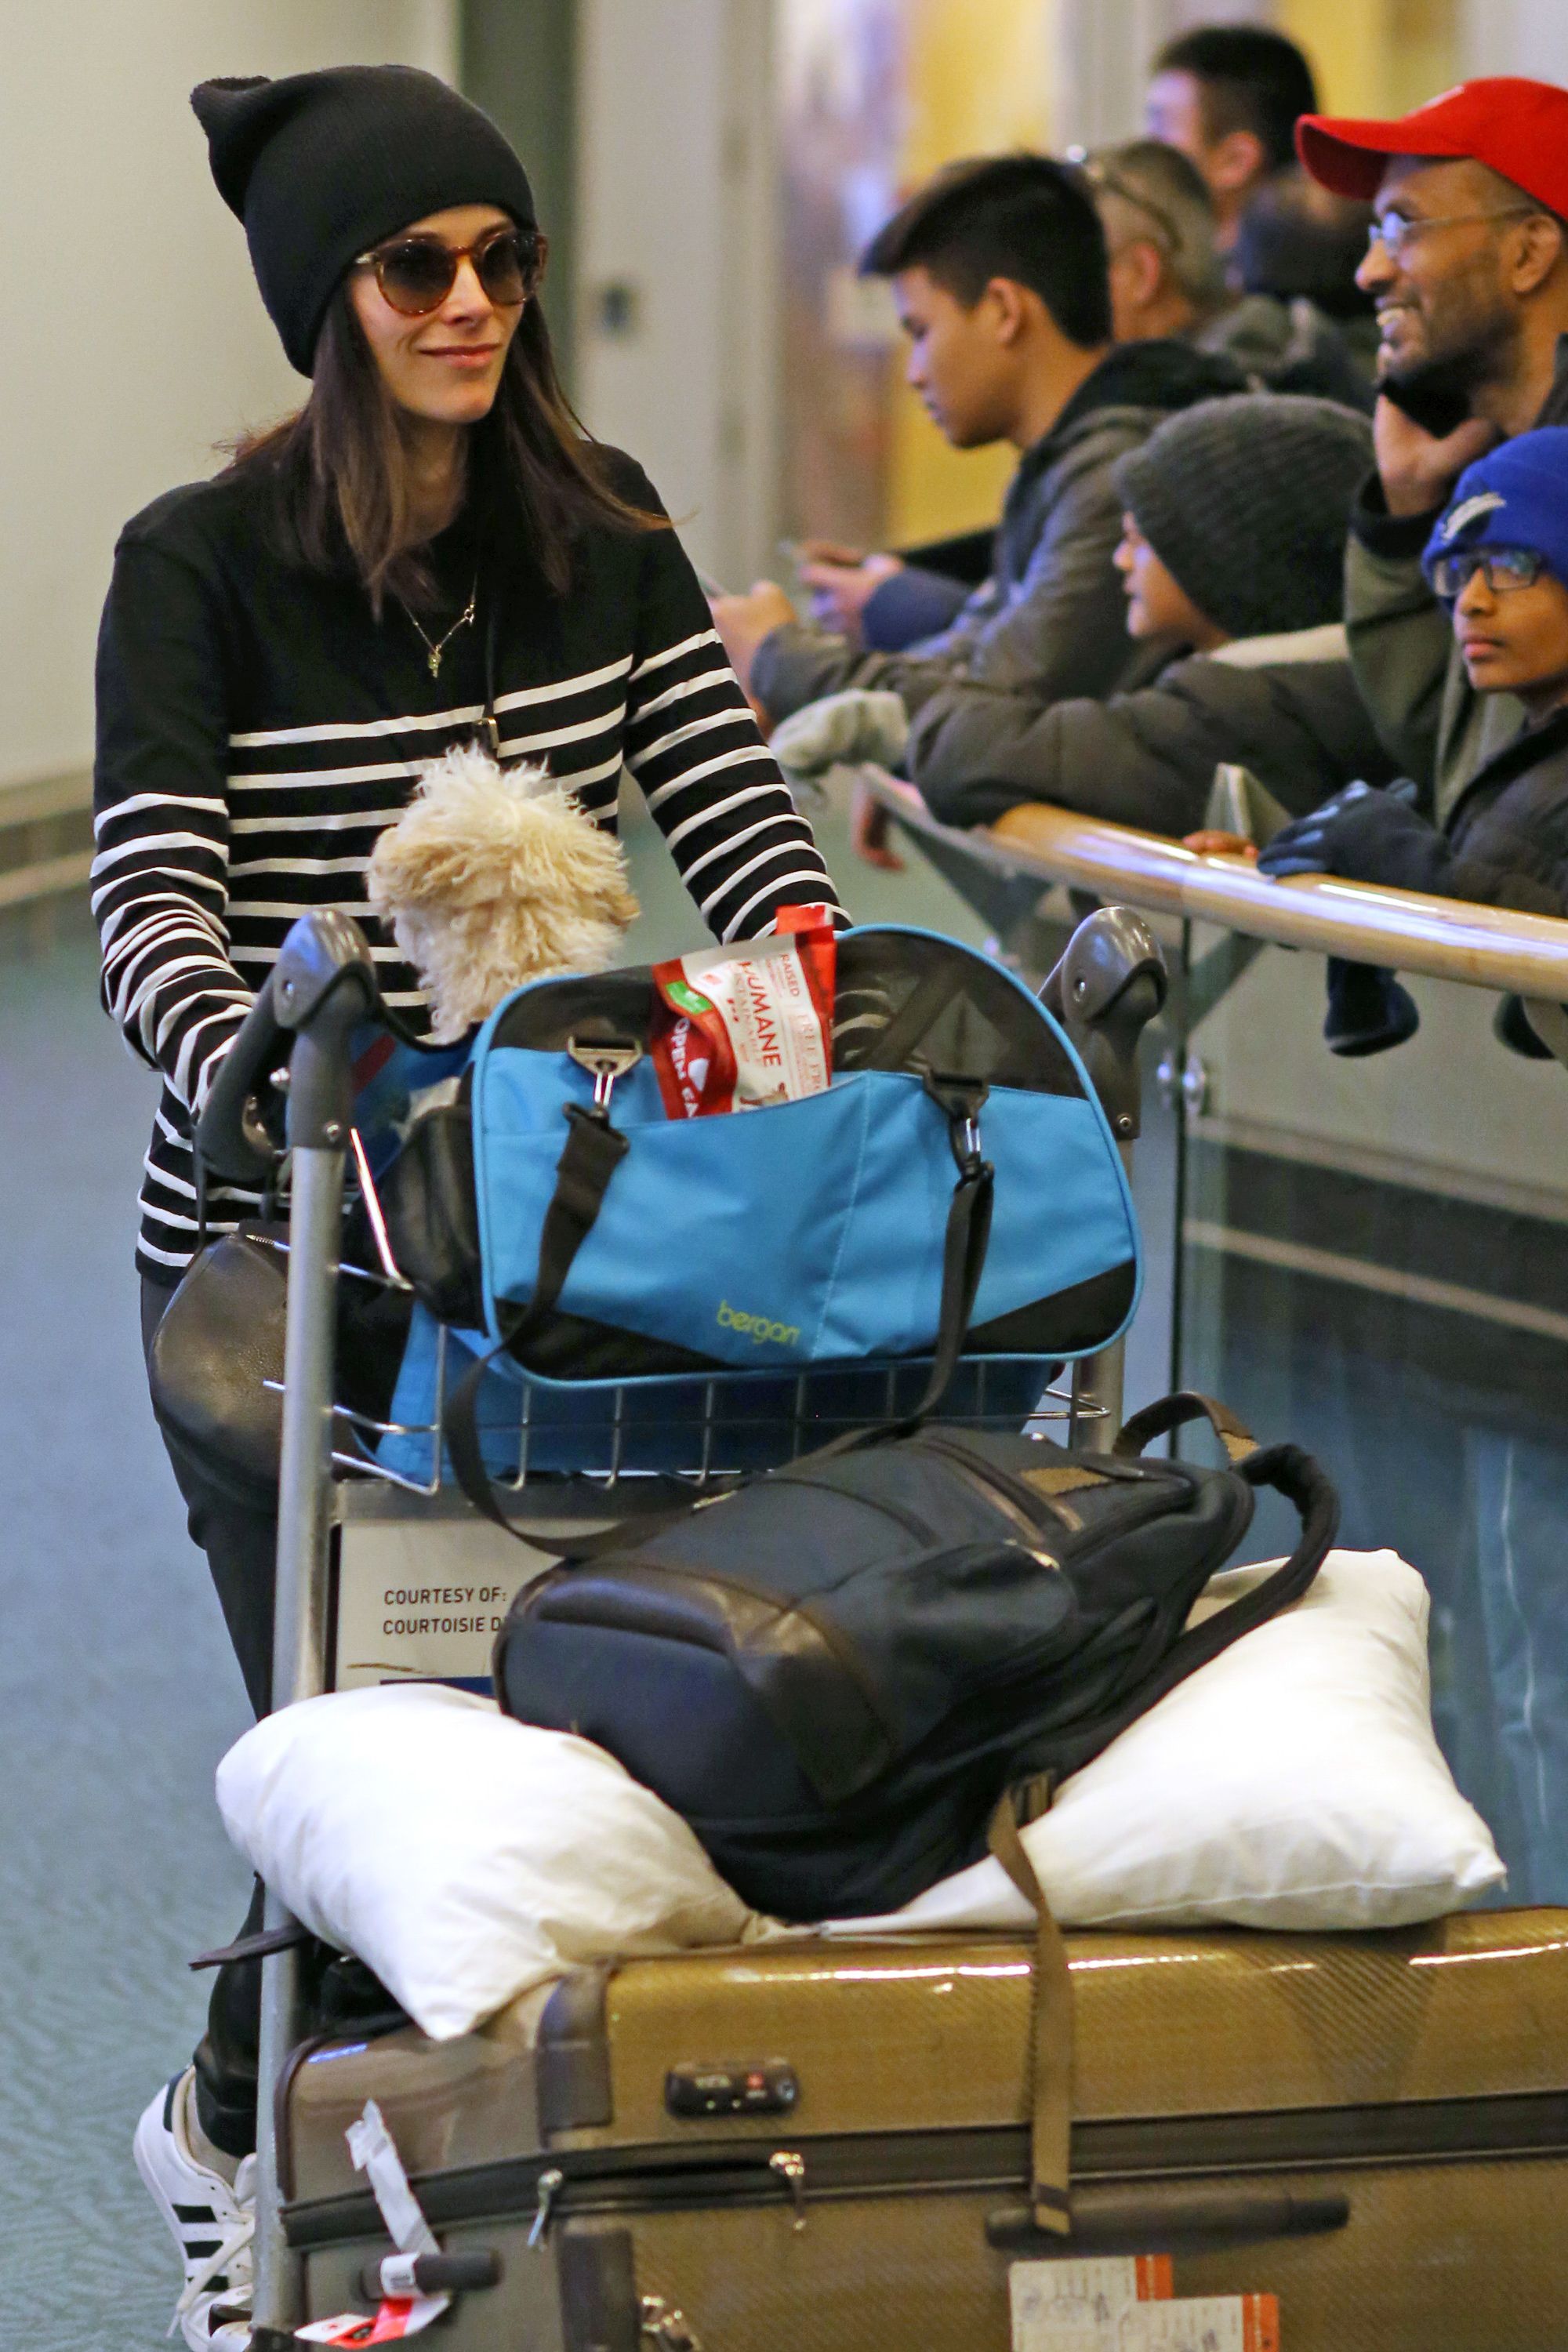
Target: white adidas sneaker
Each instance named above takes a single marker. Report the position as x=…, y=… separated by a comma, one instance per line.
x=212, y=2224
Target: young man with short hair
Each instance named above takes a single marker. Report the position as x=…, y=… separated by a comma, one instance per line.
x=1468, y=266
x=1229, y=97
x=998, y=268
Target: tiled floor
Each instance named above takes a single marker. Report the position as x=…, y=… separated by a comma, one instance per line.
x=117, y=1692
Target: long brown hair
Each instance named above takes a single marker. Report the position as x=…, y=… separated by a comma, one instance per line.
x=341, y=478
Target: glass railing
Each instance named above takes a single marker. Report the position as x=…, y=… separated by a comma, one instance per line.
x=1369, y=1257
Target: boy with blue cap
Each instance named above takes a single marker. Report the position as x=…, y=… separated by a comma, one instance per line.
x=1498, y=558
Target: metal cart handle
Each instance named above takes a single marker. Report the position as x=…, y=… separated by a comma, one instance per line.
x=1109, y=984
x=317, y=959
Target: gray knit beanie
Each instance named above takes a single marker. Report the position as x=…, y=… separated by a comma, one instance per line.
x=1246, y=502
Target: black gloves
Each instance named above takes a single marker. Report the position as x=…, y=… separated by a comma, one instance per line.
x=1368, y=1010
x=1364, y=836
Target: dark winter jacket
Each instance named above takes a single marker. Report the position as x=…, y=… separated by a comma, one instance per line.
x=1284, y=706
x=1289, y=347
x=1050, y=620
x=1506, y=841
x=1406, y=664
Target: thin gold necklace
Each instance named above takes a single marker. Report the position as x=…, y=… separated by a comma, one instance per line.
x=433, y=652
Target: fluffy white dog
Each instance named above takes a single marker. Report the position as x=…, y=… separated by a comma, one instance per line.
x=492, y=876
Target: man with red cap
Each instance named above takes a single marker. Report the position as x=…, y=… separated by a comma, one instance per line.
x=1468, y=265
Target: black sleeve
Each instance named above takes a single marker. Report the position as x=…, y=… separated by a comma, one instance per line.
x=160, y=877
x=1488, y=884
x=967, y=558
x=1147, y=759
x=1507, y=861
x=715, y=789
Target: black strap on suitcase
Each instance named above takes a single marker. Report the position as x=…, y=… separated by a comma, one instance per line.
x=1051, y=2006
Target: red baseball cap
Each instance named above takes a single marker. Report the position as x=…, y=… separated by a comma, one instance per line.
x=1519, y=128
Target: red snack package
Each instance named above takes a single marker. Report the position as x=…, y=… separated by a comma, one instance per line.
x=741, y=1027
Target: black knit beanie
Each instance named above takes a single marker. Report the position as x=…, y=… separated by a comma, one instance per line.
x=321, y=166
x=1246, y=502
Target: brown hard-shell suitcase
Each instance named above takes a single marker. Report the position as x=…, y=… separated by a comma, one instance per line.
x=824, y=2144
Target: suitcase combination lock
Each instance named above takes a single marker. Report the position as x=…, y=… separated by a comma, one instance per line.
x=758, y=2086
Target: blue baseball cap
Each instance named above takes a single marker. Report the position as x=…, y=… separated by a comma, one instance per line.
x=1516, y=496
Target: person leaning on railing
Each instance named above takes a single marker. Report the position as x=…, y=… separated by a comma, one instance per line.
x=1498, y=559
x=1167, y=276
x=1233, y=545
x=1468, y=268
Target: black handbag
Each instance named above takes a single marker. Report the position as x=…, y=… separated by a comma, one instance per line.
x=220, y=1344
x=836, y=1671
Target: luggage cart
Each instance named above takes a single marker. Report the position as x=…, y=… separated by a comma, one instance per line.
x=1110, y=983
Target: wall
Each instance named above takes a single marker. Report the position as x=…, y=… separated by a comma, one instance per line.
x=1516, y=36
x=134, y=340
x=518, y=59
x=980, y=80
x=1379, y=58
x=677, y=340
x=983, y=76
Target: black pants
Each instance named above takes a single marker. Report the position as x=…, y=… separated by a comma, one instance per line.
x=241, y=1545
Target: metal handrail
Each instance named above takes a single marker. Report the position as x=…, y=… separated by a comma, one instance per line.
x=1447, y=939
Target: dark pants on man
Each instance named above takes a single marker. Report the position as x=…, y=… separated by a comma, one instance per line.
x=241, y=1545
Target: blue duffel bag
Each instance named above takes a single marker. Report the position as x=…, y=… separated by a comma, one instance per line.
x=955, y=1191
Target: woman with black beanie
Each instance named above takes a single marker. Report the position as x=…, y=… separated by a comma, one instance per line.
x=431, y=549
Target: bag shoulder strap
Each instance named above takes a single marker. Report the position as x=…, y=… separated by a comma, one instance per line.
x=1288, y=1471
x=1050, y=2030
x=1138, y=1431
x=592, y=1151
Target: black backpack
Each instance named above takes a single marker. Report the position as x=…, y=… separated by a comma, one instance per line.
x=835, y=1670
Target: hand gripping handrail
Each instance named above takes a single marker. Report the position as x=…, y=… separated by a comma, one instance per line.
x=1448, y=939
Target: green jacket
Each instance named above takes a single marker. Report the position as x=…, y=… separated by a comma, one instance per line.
x=1402, y=645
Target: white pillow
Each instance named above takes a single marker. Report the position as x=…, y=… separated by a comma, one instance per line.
x=462, y=1856
x=1292, y=1783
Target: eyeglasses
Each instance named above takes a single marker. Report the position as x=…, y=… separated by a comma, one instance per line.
x=415, y=274
x=1393, y=232
x=1503, y=569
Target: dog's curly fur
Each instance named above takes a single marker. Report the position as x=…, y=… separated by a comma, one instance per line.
x=492, y=876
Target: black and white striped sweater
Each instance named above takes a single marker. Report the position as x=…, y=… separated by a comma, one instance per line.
x=258, y=728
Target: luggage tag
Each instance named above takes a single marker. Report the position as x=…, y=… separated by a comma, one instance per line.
x=374, y=2152
x=1075, y=2305
x=1209, y=2322
x=353, y=2327
x=1044, y=2321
